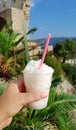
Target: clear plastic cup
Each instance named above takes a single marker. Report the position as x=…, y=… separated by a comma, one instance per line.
x=38, y=82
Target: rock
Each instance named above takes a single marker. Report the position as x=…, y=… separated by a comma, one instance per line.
x=65, y=87
x=73, y=114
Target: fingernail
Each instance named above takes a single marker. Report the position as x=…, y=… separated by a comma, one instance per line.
x=44, y=94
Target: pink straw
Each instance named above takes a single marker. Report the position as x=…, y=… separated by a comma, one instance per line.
x=45, y=50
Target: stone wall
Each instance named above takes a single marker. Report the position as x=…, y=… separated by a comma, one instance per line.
x=17, y=19
x=33, y=48
x=16, y=12
x=16, y=16
x=6, y=14
x=26, y=10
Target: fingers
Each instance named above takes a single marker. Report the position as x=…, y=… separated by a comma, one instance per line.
x=7, y=122
x=25, y=97
x=32, y=96
x=21, y=86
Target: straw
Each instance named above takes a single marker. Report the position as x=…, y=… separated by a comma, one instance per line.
x=45, y=50
x=25, y=42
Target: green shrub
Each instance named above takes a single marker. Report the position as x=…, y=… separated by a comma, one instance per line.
x=70, y=71
x=52, y=62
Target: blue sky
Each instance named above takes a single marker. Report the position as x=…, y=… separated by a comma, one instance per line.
x=57, y=17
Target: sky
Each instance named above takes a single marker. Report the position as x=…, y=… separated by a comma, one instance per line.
x=57, y=17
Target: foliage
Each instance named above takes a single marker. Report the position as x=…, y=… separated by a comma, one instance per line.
x=11, y=55
x=14, y=57
x=70, y=46
x=32, y=30
x=56, y=81
x=57, y=113
x=52, y=62
x=7, y=42
x=70, y=71
x=66, y=50
x=60, y=106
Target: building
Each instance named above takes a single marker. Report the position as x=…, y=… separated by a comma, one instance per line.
x=34, y=49
x=15, y=11
x=71, y=61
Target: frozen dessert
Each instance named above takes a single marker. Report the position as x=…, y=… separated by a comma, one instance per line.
x=38, y=79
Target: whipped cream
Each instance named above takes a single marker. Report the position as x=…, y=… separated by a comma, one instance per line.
x=33, y=68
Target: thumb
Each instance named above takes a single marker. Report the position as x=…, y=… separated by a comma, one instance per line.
x=32, y=96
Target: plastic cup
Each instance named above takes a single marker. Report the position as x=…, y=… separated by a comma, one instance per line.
x=38, y=82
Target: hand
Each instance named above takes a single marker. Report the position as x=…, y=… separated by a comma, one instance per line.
x=14, y=98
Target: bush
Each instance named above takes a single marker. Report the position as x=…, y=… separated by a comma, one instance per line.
x=52, y=62
x=70, y=71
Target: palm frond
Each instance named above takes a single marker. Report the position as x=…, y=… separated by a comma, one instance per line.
x=56, y=81
x=64, y=123
x=59, y=108
x=65, y=100
x=19, y=40
x=32, y=30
